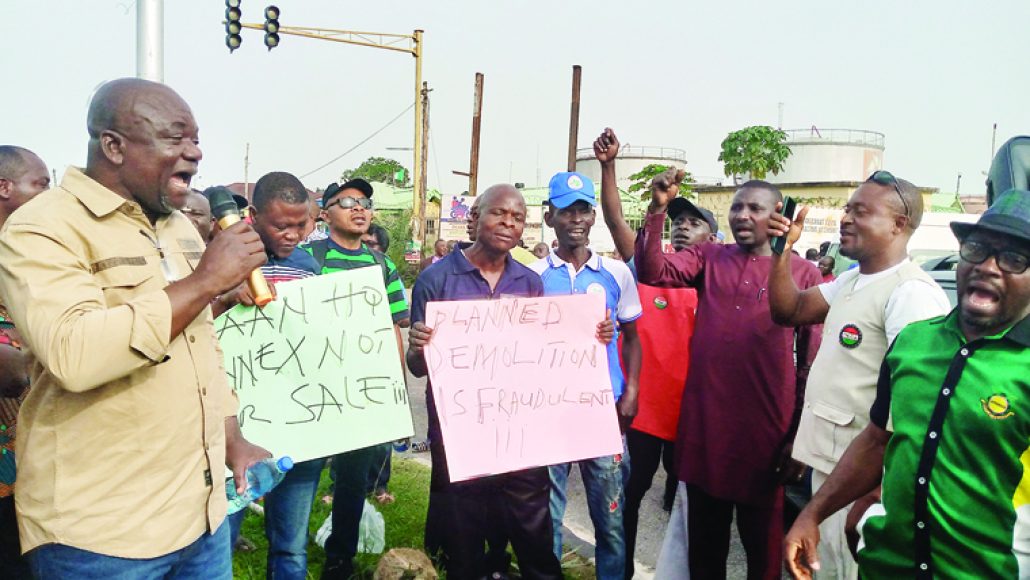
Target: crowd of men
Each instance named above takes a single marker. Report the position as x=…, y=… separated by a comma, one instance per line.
x=737, y=367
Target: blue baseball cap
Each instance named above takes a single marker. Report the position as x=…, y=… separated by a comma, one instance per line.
x=568, y=187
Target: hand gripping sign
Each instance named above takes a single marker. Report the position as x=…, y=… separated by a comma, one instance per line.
x=317, y=371
x=520, y=383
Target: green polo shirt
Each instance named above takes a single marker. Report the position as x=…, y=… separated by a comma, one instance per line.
x=956, y=485
x=338, y=258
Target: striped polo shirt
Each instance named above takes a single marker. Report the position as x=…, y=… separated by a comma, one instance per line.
x=297, y=266
x=338, y=258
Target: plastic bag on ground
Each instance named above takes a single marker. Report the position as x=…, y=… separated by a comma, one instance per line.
x=371, y=531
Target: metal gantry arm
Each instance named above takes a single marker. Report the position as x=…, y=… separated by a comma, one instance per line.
x=398, y=42
x=407, y=43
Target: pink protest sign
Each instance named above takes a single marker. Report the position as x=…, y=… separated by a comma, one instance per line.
x=520, y=383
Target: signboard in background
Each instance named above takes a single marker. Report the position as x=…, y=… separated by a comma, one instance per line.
x=317, y=370
x=822, y=224
x=520, y=382
x=454, y=216
x=532, y=234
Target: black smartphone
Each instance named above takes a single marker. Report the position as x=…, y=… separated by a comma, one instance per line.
x=789, y=205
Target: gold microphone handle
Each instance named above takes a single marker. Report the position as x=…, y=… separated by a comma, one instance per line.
x=256, y=280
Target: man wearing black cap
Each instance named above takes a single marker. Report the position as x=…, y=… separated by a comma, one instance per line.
x=347, y=209
x=949, y=427
x=663, y=373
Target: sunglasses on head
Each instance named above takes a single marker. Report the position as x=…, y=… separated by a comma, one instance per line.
x=350, y=202
x=887, y=178
x=976, y=252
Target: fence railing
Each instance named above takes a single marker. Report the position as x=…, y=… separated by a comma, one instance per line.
x=846, y=136
x=640, y=152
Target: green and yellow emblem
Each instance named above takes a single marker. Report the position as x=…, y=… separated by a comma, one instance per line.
x=997, y=406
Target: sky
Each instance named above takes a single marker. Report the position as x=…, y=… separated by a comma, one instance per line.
x=933, y=76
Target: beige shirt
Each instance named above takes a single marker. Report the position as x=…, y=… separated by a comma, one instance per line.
x=122, y=436
x=842, y=383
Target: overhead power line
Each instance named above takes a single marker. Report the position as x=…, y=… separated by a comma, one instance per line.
x=362, y=142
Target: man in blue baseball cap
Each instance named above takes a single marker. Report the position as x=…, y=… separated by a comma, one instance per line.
x=573, y=268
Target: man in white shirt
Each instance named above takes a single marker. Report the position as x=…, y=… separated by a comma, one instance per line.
x=862, y=311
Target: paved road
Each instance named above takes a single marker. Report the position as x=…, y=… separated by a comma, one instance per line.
x=653, y=519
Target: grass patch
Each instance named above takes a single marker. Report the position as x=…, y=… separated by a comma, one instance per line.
x=405, y=527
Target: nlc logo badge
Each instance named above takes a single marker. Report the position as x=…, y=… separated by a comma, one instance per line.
x=997, y=406
x=850, y=336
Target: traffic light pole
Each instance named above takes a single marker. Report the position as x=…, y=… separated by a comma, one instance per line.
x=150, y=40
x=411, y=44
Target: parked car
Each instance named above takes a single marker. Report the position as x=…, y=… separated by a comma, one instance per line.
x=942, y=270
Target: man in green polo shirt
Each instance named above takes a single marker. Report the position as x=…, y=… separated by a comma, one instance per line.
x=950, y=428
x=347, y=209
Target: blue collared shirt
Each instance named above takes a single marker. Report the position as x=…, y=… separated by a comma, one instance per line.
x=605, y=276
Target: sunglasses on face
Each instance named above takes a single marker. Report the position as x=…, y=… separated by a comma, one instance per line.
x=1009, y=261
x=350, y=202
x=887, y=178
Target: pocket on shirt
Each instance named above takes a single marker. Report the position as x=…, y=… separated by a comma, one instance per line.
x=122, y=284
x=832, y=430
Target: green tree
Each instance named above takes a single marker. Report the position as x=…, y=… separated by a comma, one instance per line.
x=642, y=181
x=398, y=226
x=758, y=151
x=380, y=169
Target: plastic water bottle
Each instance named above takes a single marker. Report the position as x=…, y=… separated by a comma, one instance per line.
x=262, y=477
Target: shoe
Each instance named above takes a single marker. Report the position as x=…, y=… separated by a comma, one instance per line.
x=244, y=545
x=420, y=446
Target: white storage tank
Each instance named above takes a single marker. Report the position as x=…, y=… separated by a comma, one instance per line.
x=830, y=155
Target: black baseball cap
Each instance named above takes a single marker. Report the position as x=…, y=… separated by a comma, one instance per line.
x=681, y=204
x=357, y=183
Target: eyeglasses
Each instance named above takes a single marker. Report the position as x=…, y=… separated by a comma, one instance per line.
x=1008, y=261
x=887, y=178
x=350, y=202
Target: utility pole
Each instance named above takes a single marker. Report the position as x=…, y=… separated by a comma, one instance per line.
x=779, y=117
x=150, y=40
x=958, y=184
x=994, y=136
x=246, y=173
x=577, y=74
x=419, y=229
x=477, y=121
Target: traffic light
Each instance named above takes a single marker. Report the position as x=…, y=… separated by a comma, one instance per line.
x=233, y=40
x=271, y=27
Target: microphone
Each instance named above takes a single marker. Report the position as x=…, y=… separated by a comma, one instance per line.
x=226, y=213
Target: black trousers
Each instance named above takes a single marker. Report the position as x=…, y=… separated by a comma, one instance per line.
x=761, y=531
x=351, y=473
x=646, y=452
x=463, y=516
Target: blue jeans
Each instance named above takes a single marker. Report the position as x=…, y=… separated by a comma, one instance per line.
x=287, y=513
x=207, y=558
x=604, y=479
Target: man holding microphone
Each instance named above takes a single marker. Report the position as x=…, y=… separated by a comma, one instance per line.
x=130, y=418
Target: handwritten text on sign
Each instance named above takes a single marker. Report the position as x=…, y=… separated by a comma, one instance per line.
x=520, y=383
x=317, y=371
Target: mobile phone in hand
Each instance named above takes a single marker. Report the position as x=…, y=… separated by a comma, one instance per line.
x=789, y=206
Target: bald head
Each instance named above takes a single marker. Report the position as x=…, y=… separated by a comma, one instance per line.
x=497, y=192
x=143, y=144
x=500, y=217
x=23, y=175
